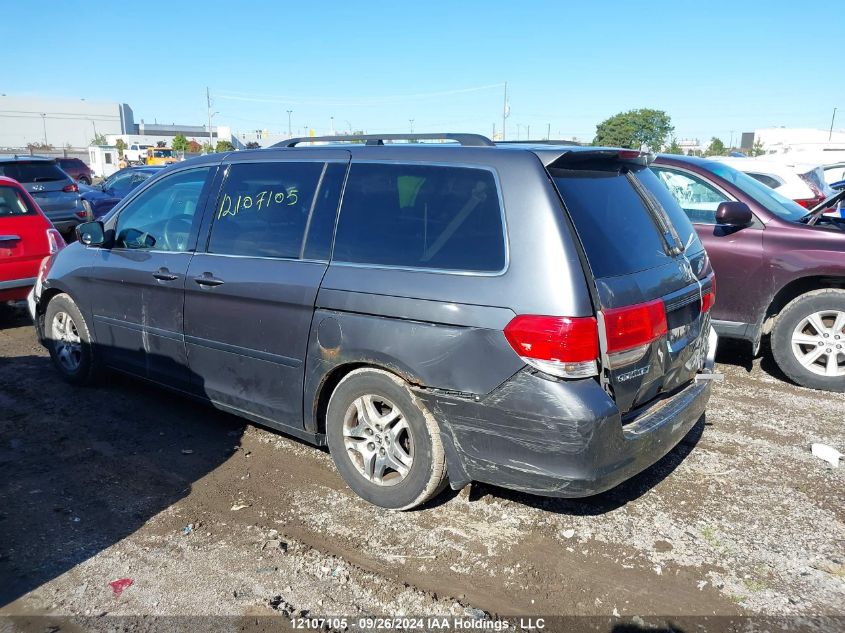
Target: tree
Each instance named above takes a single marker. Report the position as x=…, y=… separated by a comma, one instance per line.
x=120, y=144
x=674, y=148
x=161, y=144
x=757, y=149
x=44, y=147
x=194, y=147
x=207, y=148
x=180, y=143
x=224, y=146
x=253, y=145
x=99, y=139
x=716, y=148
x=635, y=129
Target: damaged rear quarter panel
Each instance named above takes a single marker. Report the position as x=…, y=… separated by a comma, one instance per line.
x=471, y=358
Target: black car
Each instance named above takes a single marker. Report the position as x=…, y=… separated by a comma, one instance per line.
x=99, y=199
x=530, y=316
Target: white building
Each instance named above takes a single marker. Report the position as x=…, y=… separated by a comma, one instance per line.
x=59, y=122
x=781, y=140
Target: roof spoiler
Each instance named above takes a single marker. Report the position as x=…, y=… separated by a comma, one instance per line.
x=574, y=159
x=466, y=140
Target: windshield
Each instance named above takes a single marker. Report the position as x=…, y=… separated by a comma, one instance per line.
x=163, y=153
x=769, y=198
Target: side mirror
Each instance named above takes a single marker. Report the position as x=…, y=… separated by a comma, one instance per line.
x=736, y=214
x=91, y=233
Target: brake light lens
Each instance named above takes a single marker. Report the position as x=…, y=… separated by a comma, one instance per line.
x=709, y=298
x=561, y=346
x=71, y=188
x=55, y=241
x=634, y=326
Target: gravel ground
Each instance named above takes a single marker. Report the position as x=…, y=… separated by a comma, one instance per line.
x=210, y=515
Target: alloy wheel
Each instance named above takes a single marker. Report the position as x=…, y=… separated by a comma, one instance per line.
x=66, y=341
x=818, y=343
x=378, y=440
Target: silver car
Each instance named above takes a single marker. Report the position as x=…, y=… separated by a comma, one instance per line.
x=54, y=191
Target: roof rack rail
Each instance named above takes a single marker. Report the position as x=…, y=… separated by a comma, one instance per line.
x=466, y=140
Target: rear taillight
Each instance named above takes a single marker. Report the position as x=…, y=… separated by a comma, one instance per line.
x=634, y=326
x=709, y=297
x=561, y=346
x=55, y=240
x=71, y=188
x=818, y=194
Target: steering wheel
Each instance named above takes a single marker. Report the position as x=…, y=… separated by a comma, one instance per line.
x=176, y=232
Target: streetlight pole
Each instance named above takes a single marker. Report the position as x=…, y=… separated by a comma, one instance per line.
x=411, y=121
x=44, y=123
x=208, y=103
x=333, y=133
x=505, y=113
x=832, y=119
x=290, y=133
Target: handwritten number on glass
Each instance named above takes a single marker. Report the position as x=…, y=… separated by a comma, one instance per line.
x=261, y=200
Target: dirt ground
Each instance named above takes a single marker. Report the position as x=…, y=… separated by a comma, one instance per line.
x=210, y=515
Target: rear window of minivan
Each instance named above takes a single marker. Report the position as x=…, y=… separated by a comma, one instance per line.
x=619, y=234
x=421, y=216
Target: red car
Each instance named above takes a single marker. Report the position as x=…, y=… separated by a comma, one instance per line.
x=26, y=238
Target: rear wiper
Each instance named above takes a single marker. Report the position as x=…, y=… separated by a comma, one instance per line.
x=671, y=239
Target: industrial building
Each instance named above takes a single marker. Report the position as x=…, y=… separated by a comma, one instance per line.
x=63, y=123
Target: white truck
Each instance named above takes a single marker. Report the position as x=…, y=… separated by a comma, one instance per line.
x=136, y=153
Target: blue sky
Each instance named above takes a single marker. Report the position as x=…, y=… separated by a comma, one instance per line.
x=713, y=66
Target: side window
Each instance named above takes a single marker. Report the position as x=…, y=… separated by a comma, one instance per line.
x=769, y=181
x=263, y=209
x=421, y=216
x=318, y=242
x=163, y=217
x=698, y=199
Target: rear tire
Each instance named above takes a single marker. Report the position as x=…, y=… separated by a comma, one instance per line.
x=808, y=340
x=85, y=180
x=384, y=442
x=68, y=340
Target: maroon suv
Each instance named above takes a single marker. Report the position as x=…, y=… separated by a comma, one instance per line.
x=76, y=169
x=779, y=270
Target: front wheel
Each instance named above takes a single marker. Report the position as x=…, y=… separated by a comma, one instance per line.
x=384, y=443
x=69, y=341
x=808, y=340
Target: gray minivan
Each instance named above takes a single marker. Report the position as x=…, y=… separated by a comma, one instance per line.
x=535, y=317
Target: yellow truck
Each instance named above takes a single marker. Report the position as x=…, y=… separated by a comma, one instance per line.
x=160, y=156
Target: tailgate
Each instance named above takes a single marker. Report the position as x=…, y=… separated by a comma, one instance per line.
x=651, y=277
x=23, y=236
x=46, y=183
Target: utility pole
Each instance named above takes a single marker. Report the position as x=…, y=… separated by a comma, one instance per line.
x=44, y=123
x=505, y=113
x=494, y=131
x=290, y=133
x=528, y=133
x=411, y=121
x=208, y=103
x=830, y=134
x=548, y=131
x=731, y=146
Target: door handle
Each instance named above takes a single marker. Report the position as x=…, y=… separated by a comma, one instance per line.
x=162, y=274
x=206, y=279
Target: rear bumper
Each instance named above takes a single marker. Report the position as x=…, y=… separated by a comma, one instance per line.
x=559, y=438
x=15, y=289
